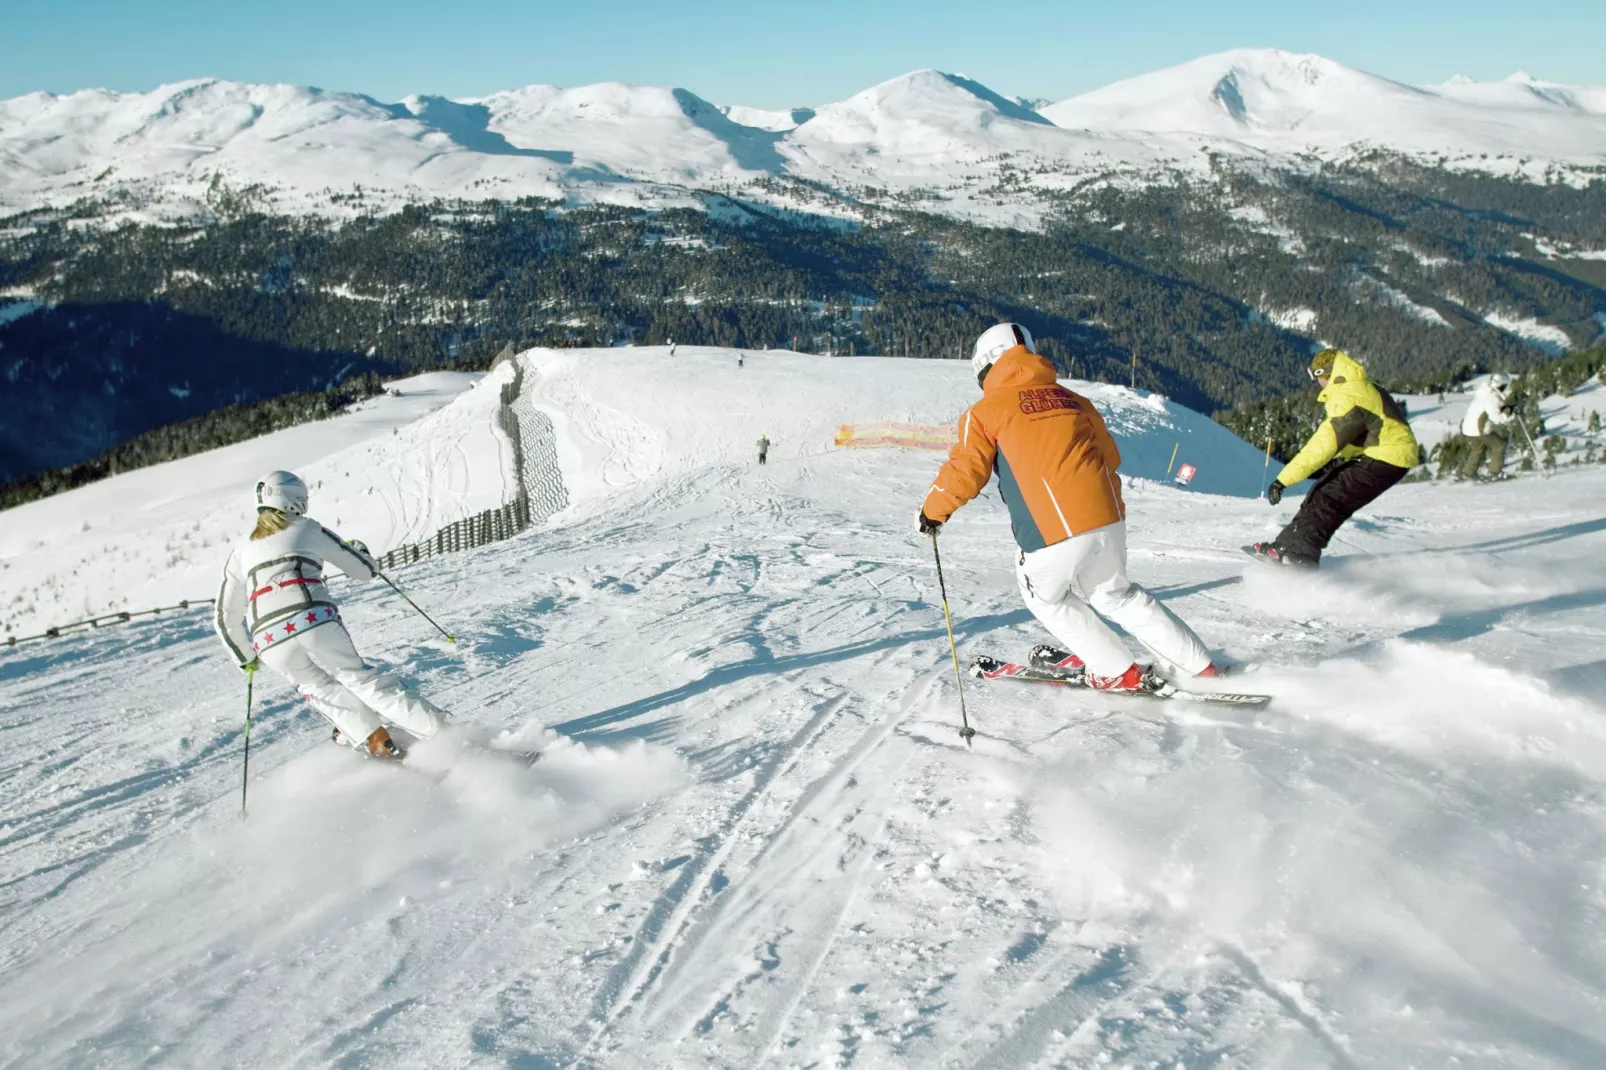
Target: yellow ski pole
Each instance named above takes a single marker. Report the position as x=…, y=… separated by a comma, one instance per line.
x=966, y=732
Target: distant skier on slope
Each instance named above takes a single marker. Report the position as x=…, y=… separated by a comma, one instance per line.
x=763, y=449
x=1057, y=472
x=274, y=605
x=1366, y=430
x=1486, y=427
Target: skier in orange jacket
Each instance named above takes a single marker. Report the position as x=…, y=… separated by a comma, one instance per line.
x=1057, y=469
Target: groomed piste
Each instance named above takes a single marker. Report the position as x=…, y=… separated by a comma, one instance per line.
x=754, y=837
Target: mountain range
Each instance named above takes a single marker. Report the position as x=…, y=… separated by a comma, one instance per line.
x=1194, y=231
x=941, y=142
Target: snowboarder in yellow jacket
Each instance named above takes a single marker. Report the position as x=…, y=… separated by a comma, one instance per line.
x=1366, y=430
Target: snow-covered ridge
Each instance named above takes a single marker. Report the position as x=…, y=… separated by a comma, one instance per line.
x=174, y=150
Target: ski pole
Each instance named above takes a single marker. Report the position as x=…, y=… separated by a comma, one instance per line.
x=245, y=774
x=1265, y=469
x=1533, y=451
x=966, y=732
x=450, y=638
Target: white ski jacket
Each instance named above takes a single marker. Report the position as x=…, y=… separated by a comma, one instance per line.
x=273, y=588
x=1484, y=413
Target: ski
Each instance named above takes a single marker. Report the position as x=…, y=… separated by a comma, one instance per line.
x=984, y=667
x=522, y=758
x=519, y=758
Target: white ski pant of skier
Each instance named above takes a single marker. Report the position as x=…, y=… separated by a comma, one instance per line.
x=1069, y=585
x=357, y=698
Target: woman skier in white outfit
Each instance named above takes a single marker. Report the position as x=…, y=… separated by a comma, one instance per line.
x=274, y=606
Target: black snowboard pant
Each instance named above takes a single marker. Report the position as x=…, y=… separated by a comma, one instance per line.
x=1333, y=500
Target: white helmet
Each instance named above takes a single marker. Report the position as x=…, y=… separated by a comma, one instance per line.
x=283, y=491
x=1500, y=382
x=994, y=342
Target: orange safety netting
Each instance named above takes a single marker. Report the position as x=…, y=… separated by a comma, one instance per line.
x=896, y=433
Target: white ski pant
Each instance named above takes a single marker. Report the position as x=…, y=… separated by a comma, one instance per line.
x=1072, y=585
x=357, y=698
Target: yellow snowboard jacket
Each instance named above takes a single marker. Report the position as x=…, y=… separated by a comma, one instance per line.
x=1362, y=421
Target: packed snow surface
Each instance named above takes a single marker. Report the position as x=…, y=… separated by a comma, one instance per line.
x=944, y=140
x=755, y=839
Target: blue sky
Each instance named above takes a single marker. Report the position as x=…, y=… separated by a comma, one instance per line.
x=765, y=53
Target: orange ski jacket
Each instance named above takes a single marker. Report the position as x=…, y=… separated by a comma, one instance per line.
x=1055, y=459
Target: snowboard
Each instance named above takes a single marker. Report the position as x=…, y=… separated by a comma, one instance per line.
x=1263, y=559
x=984, y=667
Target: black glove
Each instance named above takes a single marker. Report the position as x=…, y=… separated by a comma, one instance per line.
x=1274, y=493
x=928, y=526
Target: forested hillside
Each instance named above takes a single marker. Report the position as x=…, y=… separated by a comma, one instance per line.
x=1213, y=293
x=209, y=431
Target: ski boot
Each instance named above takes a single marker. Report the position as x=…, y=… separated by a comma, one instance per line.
x=380, y=745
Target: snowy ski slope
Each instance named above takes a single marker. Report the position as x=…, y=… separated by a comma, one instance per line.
x=623, y=416
x=755, y=839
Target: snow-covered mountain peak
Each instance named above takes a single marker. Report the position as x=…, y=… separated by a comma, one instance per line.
x=1281, y=101
x=653, y=132
x=1233, y=93
x=916, y=107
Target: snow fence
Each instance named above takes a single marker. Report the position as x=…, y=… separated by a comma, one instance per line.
x=541, y=490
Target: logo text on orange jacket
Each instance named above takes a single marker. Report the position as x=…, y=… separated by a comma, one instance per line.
x=1047, y=399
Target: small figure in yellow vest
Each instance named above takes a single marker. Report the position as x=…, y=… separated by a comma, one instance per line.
x=1367, y=431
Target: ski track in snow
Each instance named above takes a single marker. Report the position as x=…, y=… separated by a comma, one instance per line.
x=756, y=840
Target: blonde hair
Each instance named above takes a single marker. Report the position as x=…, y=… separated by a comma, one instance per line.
x=269, y=522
